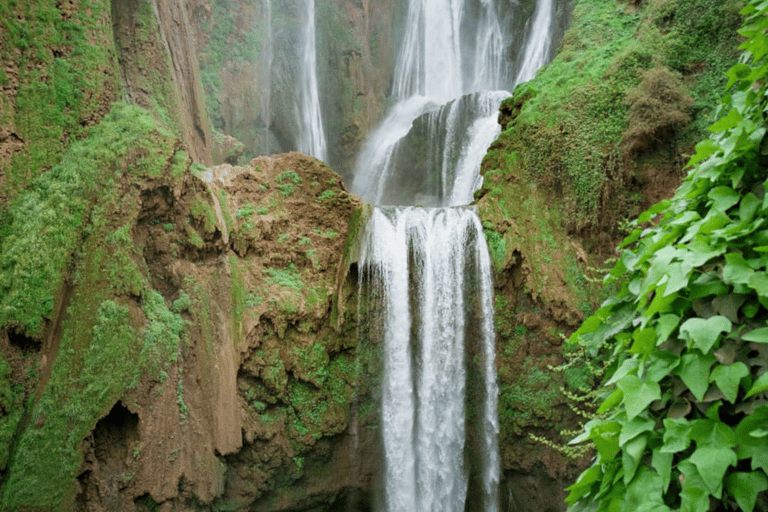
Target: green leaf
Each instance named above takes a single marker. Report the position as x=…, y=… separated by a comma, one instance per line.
x=694, y=371
x=703, y=334
x=736, y=73
x=723, y=198
x=644, y=341
x=631, y=456
x=613, y=399
x=715, y=434
x=731, y=120
x=757, y=335
x=662, y=463
x=678, y=274
x=759, y=282
x=748, y=207
x=701, y=251
x=712, y=464
x=694, y=493
x=664, y=327
x=736, y=269
x=638, y=394
x=634, y=428
x=744, y=487
x=677, y=435
x=606, y=439
x=760, y=385
x=583, y=484
x=660, y=364
x=728, y=377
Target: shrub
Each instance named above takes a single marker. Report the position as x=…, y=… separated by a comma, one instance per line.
x=658, y=107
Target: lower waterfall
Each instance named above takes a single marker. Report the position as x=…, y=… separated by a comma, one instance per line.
x=427, y=277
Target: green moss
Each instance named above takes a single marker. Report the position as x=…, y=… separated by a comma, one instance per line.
x=577, y=148
x=57, y=60
x=44, y=224
x=288, y=277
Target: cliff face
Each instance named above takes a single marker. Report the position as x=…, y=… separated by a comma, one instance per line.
x=249, y=54
x=180, y=337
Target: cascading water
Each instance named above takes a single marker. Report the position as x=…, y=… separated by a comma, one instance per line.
x=309, y=116
x=430, y=271
x=426, y=271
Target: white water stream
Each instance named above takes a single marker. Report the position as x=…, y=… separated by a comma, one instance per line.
x=425, y=263
x=308, y=112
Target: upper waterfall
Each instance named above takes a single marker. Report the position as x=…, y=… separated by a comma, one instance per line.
x=452, y=73
x=310, y=118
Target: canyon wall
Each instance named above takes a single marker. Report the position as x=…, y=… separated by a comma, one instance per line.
x=182, y=336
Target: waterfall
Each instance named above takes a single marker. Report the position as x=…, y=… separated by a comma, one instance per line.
x=424, y=264
x=312, y=135
x=427, y=269
x=537, y=49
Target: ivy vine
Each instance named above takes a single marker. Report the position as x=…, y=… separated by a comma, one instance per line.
x=683, y=422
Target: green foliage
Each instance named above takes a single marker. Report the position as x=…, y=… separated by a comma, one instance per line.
x=286, y=182
x=613, y=59
x=326, y=195
x=45, y=222
x=497, y=246
x=57, y=60
x=288, y=277
x=245, y=211
x=682, y=421
x=328, y=234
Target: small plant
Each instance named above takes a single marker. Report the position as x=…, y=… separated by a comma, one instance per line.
x=327, y=195
x=286, y=182
x=245, y=211
x=328, y=234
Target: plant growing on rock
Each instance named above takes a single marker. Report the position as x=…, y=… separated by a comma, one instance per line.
x=685, y=414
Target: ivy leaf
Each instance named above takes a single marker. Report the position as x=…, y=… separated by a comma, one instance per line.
x=757, y=335
x=638, y=394
x=631, y=456
x=694, y=494
x=645, y=341
x=662, y=463
x=712, y=464
x=714, y=434
x=723, y=198
x=583, y=485
x=736, y=269
x=613, y=399
x=759, y=282
x=634, y=428
x=676, y=435
x=694, y=371
x=760, y=385
x=727, y=379
x=745, y=487
x=660, y=364
x=736, y=73
x=664, y=327
x=606, y=439
x=703, y=334
x=731, y=120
